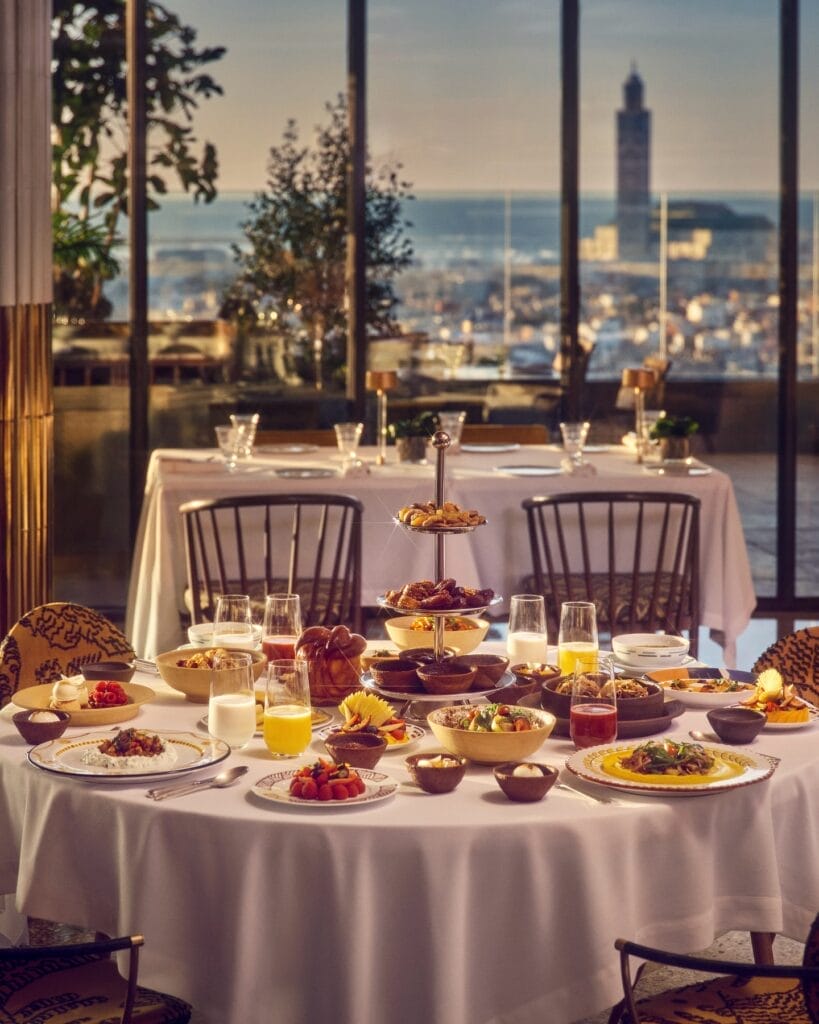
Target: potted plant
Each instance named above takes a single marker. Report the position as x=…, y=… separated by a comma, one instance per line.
x=674, y=433
x=411, y=436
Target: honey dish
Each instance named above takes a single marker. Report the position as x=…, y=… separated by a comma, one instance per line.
x=525, y=782
x=437, y=772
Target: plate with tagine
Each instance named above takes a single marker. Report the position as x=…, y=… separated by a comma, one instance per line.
x=670, y=767
x=130, y=755
x=278, y=787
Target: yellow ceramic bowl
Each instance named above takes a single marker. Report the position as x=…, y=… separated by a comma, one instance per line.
x=489, y=747
x=195, y=682
x=462, y=641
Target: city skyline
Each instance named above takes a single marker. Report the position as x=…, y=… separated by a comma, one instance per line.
x=466, y=94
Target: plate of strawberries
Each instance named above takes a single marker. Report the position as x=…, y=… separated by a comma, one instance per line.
x=326, y=785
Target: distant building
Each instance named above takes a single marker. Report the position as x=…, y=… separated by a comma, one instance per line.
x=699, y=230
x=633, y=162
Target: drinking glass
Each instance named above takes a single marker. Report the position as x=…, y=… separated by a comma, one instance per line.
x=593, y=714
x=233, y=621
x=526, y=640
x=282, y=625
x=226, y=439
x=348, y=437
x=574, y=437
x=287, y=721
x=577, y=639
x=232, y=703
x=452, y=423
x=245, y=425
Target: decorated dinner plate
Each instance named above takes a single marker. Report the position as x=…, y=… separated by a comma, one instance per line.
x=732, y=769
x=35, y=698
x=65, y=756
x=489, y=448
x=276, y=787
x=529, y=470
x=285, y=449
x=685, y=683
x=305, y=472
x=412, y=733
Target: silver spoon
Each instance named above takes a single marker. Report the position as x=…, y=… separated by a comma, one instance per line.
x=703, y=737
x=224, y=778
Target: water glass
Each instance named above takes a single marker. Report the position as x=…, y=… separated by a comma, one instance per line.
x=452, y=423
x=593, y=713
x=245, y=425
x=233, y=621
x=287, y=725
x=232, y=703
x=526, y=640
x=574, y=437
x=577, y=640
x=348, y=438
x=281, y=626
x=226, y=439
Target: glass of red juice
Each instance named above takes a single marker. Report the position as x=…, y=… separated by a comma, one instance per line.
x=281, y=626
x=593, y=714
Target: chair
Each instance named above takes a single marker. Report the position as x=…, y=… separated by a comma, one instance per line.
x=635, y=555
x=796, y=656
x=490, y=433
x=323, y=438
x=781, y=994
x=54, y=640
x=309, y=544
x=80, y=983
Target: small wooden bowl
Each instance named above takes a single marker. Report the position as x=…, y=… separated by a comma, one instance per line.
x=426, y=654
x=530, y=677
x=360, y=749
x=489, y=669
x=447, y=676
x=436, y=778
x=118, y=671
x=379, y=654
x=40, y=732
x=525, y=788
x=399, y=675
x=736, y=725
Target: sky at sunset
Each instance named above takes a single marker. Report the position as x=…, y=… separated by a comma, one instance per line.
x=465, y=93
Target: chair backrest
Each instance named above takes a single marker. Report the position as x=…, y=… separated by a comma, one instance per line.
x=635, y=555
x=309, y=544
x=519, y=433
x=54, y=640
x=324, y=438
x=796, y=657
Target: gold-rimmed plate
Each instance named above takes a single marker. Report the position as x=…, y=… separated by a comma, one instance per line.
x=276, y=787
x=36, y=698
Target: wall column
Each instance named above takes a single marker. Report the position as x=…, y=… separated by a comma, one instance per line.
x=26, y=403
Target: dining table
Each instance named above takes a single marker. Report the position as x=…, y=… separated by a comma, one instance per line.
x=457, y=908
x=494, y=479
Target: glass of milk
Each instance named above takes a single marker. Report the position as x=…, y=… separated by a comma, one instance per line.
x=526, y=640
x=232, y=703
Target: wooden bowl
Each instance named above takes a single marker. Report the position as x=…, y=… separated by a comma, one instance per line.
x=736, y=725
x=377, y=654
x=38, y=698
x=629, y=709
x=531, y=676
x=488, y=747
x=118, y=671
x=525, y=788
x=360, y=749
x=398, y=675
x=489, y=669
x=436, y=778
x=462, y=641
x=447, y=676
x=195, y=682
x=40, y=732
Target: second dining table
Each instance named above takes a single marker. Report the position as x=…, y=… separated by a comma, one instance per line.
x=493, y=481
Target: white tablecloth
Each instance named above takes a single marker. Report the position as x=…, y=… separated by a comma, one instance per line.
x=496, y=555
x=455, y=909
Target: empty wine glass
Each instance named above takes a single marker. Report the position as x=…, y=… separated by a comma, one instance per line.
x=245, y=425
x=226, y=439
x=593, y=714
x=452, y=423
x=233, y=621
x=232, y=703
x=348, y=438
x=574, y=437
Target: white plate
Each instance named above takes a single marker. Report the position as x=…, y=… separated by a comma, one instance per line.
x=285, y=449
x=588, y=449
x=63, y=756
x=414, y=733
x=478, y=449
x=529, y=470
x=665, y=675
x=644, y=665
x=741, y=769
x=677, y=469
x=276, y=787
x=305, y=473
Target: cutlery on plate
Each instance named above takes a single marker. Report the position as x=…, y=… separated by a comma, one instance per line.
x=224, y=778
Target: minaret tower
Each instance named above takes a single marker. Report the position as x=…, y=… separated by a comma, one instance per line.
x=633, y=156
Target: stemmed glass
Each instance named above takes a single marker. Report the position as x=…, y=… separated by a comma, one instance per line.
x=287, y=718
x=574, y=437
x=226, y=439
x=452, y=423
x=233, y=621
x=526, y=640
x=577, y=639
x=232, y=703
x=348, y=438
x=282, y=625
x=245, y=424
x=593, y=714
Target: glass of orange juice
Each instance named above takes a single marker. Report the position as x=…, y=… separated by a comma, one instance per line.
x=577, y=640
x=287, y=718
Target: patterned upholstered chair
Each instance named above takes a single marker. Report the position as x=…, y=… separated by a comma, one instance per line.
x=743, y=994
x=53, y=640
x=796, y=657
x=80, y=983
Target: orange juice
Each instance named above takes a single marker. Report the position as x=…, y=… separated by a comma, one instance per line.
x=287, y=729
x=568, y=655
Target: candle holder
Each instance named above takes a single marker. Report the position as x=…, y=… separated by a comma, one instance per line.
x=636, y=381
x=381, y=381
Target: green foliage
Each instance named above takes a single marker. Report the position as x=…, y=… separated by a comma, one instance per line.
x=90, y=133
x=293, y=265
x=673, y=426
x=423, y=425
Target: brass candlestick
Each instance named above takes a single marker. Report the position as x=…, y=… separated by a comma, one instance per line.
x=381, y=381
x=638, y=380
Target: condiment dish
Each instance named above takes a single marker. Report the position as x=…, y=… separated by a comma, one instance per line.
x=35, y=732
x=438, y=772
x=525, y=788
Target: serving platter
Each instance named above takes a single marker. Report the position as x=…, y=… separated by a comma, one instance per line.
x=733, y=770
x=452, y=612
x=695, y=698
x=528, y=470
x=37, y=698
x=63, y=756
x=276, y=788
x=413, y=734
x=423, y=697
